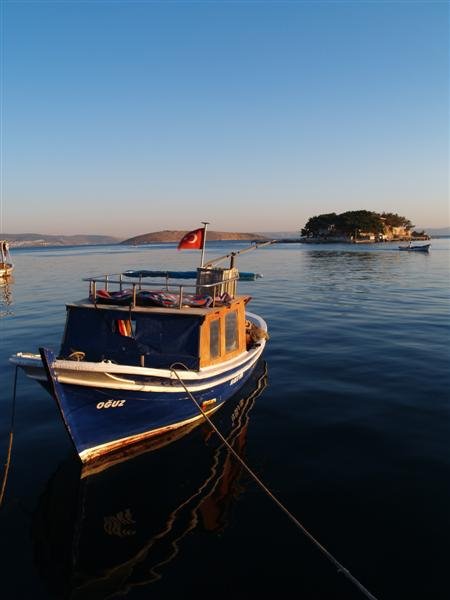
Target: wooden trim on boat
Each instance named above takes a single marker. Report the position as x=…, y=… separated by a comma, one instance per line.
x=91, y=454
x=238, y=306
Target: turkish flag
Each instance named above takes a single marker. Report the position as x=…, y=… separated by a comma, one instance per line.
x=193, y=240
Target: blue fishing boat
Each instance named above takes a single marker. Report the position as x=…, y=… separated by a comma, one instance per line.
x=140, y=359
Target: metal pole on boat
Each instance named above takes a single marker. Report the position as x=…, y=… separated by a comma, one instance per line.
x=205, y=223
x=233, y=254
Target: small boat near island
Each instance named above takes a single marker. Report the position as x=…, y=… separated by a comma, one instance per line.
x=421, y=248
x=6, y=263
x=141, y=359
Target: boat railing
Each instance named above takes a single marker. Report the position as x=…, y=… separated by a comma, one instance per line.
x=185, y=294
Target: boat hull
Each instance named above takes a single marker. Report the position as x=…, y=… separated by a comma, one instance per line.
x=6, y=270
x=106, y=518
x=100, y=420
x=424, y=248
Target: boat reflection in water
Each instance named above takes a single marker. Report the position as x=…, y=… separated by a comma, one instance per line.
x=101, y=530
x=6, y=299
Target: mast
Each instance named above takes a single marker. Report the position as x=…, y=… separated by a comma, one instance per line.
x=205, y=223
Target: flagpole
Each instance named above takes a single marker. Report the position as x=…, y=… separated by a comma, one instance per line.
x=205, y=223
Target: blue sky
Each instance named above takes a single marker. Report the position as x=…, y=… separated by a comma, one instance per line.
x=122, y=118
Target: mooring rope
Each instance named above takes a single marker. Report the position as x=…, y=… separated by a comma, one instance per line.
x=340, y=568
x=11, y=437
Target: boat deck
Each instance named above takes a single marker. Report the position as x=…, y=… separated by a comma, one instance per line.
x=163, y=295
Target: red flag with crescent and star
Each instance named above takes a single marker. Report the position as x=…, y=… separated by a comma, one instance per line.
x=192, y=240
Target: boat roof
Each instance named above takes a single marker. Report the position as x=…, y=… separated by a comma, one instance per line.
x=125, y=308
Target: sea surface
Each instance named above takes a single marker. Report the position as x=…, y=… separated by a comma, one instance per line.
x=346, y=421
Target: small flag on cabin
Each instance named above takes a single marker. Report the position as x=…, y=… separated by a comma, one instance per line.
x=192, y=240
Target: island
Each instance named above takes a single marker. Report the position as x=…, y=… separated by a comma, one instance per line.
x=360, y=226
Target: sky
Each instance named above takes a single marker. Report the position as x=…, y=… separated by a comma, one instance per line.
x=127, y=117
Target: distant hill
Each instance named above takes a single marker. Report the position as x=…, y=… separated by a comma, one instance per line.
x=161, y=237
x=278, y=235
x=17, y=240
x=438, y=231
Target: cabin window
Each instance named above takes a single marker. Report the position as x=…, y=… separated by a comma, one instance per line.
x=214, y=338
x=231, y=331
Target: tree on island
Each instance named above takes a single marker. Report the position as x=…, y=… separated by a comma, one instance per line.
x=316, y=225
x=394, y=220
x=353, y=223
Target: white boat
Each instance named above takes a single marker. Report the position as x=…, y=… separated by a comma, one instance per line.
x=410, y=248
x=6, y=264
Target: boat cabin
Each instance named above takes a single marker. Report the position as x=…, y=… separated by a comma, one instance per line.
x=158, y=328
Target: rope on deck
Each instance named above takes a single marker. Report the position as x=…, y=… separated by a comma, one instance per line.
x=340, y=568
x=11, y=437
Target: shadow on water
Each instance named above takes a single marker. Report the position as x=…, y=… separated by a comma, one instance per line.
x=342, y=254
x=101, y=531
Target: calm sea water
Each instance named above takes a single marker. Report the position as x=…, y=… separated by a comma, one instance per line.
x=347, y=422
